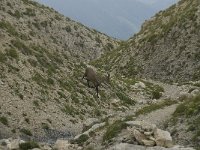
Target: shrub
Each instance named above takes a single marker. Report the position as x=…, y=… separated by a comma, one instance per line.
x=68, y=29
x=83, y=138
x=45, y=126
x=36, y=103
x=29, y=12
x=113, y=130
x=26, y=131
x=12, y=53
x=4, y=120
x=28, y=145
x=9, y=28
x=125, y=99
x=3, y=57
x=22, y=47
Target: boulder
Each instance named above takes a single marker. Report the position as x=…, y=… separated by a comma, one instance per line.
x=163, y=138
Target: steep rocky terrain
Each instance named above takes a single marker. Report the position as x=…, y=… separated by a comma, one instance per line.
x=41, y=55
x=42, y=60
x=166, y=48
x=45, y=102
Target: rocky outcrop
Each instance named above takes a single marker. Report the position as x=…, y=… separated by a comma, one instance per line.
x=149, y=135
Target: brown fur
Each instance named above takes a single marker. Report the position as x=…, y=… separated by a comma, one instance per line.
x=91, y=76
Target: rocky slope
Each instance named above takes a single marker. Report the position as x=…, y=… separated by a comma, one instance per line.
x=41, y=55
x=166, y=48
x=43, y=97
x=42, y=60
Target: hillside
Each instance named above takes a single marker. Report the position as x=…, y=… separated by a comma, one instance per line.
x=166, y=48
x=41, y=63
x=45, y=104
x=43, y=56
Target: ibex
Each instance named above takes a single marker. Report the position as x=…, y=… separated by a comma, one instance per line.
x=91, y=76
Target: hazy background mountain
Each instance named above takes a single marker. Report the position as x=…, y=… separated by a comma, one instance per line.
x=117, y=18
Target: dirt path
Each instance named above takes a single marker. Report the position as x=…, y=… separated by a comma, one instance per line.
x=159, y=116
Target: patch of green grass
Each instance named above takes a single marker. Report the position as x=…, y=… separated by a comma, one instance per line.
x=12, y=53
x=21, y=47
x=113, y=130
x=62, y=95
x=124, y=98
x=3, y=57
x=36, y=103
x=9, y=28
x=74, y=97
x=45, y=126
x=69, y=110
x=189, y=111
x=4, y=120
x=83, y=138
x=190, y=107
x=28, y=145
x=153, y=107
x=26, y=131
x=30, y=12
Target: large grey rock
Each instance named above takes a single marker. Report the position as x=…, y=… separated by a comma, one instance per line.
x=163, y=138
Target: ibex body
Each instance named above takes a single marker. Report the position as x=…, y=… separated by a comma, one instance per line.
x=91, y=76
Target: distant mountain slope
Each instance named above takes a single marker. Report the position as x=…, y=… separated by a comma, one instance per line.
x=117, y=18
x=166, y=48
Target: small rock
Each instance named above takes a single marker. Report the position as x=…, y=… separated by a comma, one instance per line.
x=62, y=144
x=14, y=144
x=140, y=85
x=148, y=133
x=139, y=136
x=90, y=122
x=149, y=142
x=163, y=138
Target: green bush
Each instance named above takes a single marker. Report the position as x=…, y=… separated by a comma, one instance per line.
x=83, y=138
x=45, y=126
x=9, y=28
x=3, y=57
x=12, y=53
x=28, y=145
x=26, y=131
x=114, y=129
x=125, y=99
x=4, y=120
x=29, y=12
x=22, y=47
